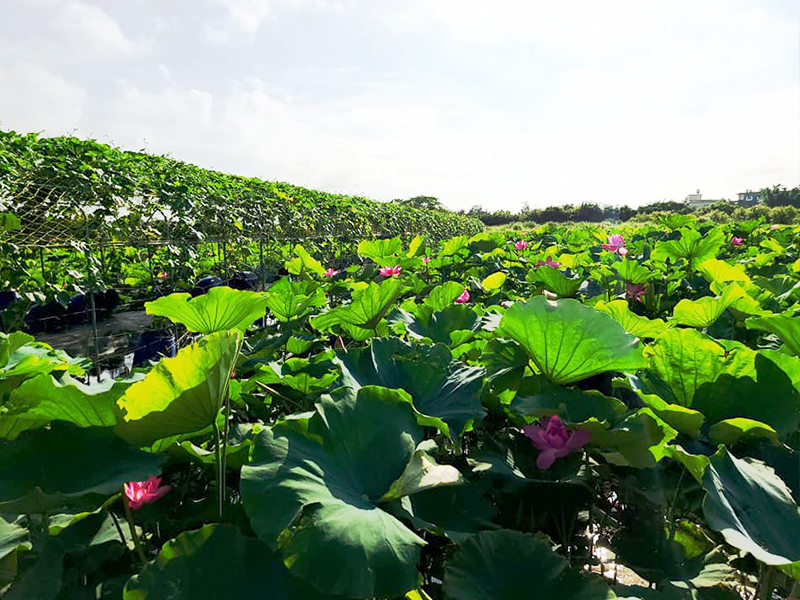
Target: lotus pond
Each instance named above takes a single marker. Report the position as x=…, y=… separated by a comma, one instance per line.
x=485, y=418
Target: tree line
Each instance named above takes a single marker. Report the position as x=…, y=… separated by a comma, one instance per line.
x=777, y=196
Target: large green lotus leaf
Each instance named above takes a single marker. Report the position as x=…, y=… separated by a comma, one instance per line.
x=21, y=357
x=785, y=327
x=453, y=511
x=304, y=263
x=12, y=538
x=382, y=252
x=641, y=327
x=729, y=396
x=44, y=398
x=730, y=431
x=484, y=241
x=555, y=281
x=443, y=296
x=692, y=246
x=569, y=341
x=539, y=397
x=744, y=305
x=632, y=271
x=686, y=420
x=789, y=364
x=10, y=343
x=494, y=281
x=217, y=561
x=424, y=322
x=506, y=363
x=509, y=565
x=686, y=359
x=64, y=465
x=292, y=300
x=359, y=334
x=719, y=271
x=308, y=376
x=454, y=245
x=704, y=311
x=182, y=394
x=219, y=309
x=368, y=307
x=422, y=473
x=752, y=508
x=440, y=387
x=313, y=486
x=640, y=440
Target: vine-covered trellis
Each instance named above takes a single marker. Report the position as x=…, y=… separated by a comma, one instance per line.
x=83, y=218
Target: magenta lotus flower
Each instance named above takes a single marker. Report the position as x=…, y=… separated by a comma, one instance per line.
x=521, y=244
x=389, y=271
x=140, y=493
x=463, y=298
x=330, y=273
x=634, y=291
x=737, y=241
x=162, y=275
x=553, y=440
x=548, y=263
x=616, y=243
x=426, y=260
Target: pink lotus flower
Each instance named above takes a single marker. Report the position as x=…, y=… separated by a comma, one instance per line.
x=737, y=241
x=330, y=273
x=140, y=493
x=775, y=226
x=463, y=298
x=521, y=244
x=389, y=271
x=548, y=263
x=426, y=260
x=616, y=243
x=162, y=275
x=634, y=291
x=553, y=440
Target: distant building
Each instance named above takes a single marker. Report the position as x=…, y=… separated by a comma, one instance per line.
x=749, y=198
x=695, y=201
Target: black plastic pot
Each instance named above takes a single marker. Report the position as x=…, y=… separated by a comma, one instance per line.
x=205, y=284
x=152, y=345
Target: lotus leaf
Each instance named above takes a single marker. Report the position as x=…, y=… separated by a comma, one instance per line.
x=569, y=341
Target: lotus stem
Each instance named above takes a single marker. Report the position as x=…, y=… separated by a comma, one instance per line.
x=224, y=464
x=218, y=460
x=129, y=517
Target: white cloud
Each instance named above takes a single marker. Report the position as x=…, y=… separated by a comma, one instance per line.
x=34, y=99
x=91, y=33
x=496, y=104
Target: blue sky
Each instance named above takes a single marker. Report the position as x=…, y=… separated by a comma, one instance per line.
x=493, y=103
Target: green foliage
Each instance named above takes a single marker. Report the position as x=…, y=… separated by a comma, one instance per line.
x=220, y=309
x=382, y=441
x=314, y=487
x=504, y=565
x=569, y=341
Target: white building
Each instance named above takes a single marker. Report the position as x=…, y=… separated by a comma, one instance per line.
x=695, y=201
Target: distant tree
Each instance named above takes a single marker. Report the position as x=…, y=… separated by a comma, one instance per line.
x=555, y=214
x=428, y=202
x=780, y=196
x=664, y=206
x=610, y=213
x=588, y=212
x=626, y=212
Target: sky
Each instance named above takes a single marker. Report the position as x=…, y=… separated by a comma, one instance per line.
x=498, y=104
